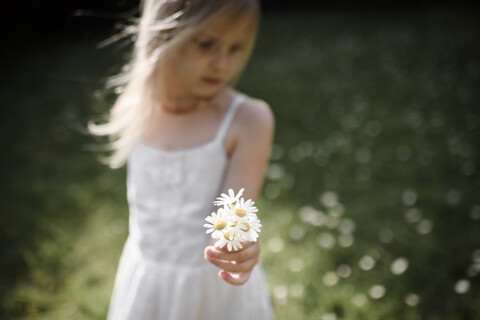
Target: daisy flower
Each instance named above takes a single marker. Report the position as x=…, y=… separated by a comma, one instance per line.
x=229, y=240
x=228, y=199
x=219, y=223
x=245, y=209
x=249, y=230
x=235, y=222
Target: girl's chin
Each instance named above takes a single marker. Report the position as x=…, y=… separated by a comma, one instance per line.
x=210, y=92
x=201, y=92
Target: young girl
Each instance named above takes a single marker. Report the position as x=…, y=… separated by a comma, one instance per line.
x=187, y=136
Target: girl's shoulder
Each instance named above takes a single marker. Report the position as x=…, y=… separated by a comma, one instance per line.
x=255, y=113
x=252, y=126
x=254, y=122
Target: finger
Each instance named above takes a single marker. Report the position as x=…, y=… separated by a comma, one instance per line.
x=253, y=250
x=237, y=280
x=233, y=266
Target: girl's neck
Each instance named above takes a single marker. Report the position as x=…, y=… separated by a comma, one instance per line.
x=182, y=104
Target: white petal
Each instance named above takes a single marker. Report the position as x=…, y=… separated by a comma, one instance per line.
x=240, y=192
x=217, y=234
x=220, y=243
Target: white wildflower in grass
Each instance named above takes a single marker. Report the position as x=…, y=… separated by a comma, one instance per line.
x=235, y=222
x=228, y=199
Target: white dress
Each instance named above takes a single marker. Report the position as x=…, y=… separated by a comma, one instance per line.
x=162, y=274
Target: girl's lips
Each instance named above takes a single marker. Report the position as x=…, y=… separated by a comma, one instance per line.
x=212, y=81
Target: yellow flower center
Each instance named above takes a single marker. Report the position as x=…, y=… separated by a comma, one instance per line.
x=220, y=224
x=247, y=226
x=227, y=235
x=240, y=212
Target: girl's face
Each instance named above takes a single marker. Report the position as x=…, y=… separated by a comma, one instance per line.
x=208, y=60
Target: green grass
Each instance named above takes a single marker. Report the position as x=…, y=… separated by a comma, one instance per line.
x=376, y=155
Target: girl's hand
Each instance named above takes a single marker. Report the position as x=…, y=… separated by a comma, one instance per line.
x=240, y=262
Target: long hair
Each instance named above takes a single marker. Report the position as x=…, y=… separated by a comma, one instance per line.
x=163, y=25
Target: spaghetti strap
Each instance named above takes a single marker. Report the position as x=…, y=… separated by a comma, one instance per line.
x=229, y=116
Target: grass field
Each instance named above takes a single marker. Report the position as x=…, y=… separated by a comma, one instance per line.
x=371, y=206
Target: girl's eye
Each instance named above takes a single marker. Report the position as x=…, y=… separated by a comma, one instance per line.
x=205, y=45
x=235, y=48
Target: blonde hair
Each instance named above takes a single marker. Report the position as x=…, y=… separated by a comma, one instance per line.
x=163, y=25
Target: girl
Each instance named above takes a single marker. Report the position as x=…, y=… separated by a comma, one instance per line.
x=187, y=136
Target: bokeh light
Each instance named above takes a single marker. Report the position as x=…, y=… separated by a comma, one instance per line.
x=399, y=266
x=366, y=263
x=377, y=291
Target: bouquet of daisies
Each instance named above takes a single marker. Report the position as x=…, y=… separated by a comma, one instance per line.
x=234, y=222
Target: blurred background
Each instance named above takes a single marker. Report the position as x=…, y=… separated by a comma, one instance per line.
x=371, y=207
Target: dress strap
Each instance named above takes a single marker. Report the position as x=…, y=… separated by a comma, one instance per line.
x=229, y=116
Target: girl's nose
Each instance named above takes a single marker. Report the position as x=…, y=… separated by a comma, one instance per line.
x=220, y=60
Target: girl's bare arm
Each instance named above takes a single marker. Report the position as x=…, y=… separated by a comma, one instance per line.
x=253, y=133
